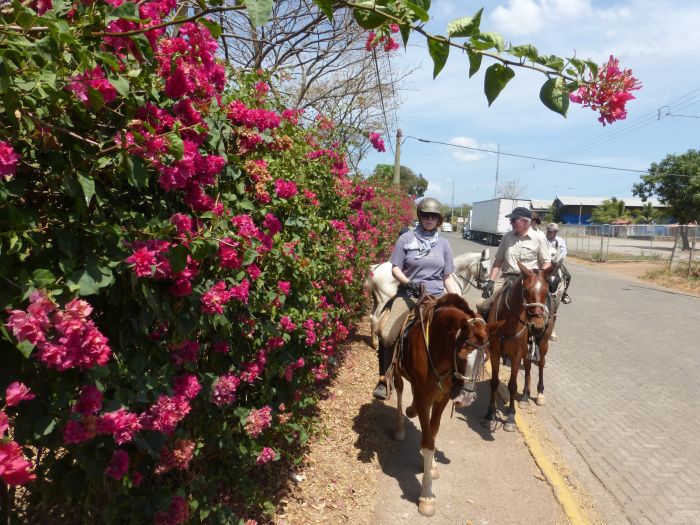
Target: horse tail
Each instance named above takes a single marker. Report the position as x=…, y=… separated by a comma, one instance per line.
x=368, y=287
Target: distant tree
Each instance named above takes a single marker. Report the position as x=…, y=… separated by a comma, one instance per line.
x=411, y=183
x=510, y=189
x=610, y=211
x=676, y=182
x=552, y=215
x=647, y=214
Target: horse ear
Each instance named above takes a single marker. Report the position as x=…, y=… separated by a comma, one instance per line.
x=524, y=270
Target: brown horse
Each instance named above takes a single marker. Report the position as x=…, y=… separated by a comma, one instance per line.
x=434, y=361
x=542, y=341
x=525, y=331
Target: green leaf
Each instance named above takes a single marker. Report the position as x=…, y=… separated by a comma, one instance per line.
x=326, y=7
x=245, y=204
x=258, y=11
x=214, y=28
x=88, y=186
x=137, y=174
x=474, y=62
x=527, y=51
x=555, y=96
x=120, y=84
x=421, y=13
x=91, y=278
x=365, y=18
x=177, y=148
x=405, y=33
x=95, y=98
x=178, y=258
x=127, y=11
x=43, y=278
x=439, y=51
x=466, y=26
x=249, y=257
x=25, y=348
x=493, y=40
x=44, y=426
x=497, y=76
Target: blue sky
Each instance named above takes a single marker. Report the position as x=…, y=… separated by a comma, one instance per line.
x=659, y=40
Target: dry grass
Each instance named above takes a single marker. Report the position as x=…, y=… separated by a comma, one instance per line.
x=678, y=280
x=337, y=485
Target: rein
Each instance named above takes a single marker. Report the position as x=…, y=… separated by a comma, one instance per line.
x=478, y=368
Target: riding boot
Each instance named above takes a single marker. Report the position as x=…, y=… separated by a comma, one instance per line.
x=381, y=391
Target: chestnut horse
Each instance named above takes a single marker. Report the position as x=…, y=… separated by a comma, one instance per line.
x=434, y=361
x=523, y=306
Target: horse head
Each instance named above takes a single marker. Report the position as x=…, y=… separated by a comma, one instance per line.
x=484, y=268
x=535, y=288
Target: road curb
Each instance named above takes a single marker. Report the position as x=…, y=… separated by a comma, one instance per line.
x=549, y=471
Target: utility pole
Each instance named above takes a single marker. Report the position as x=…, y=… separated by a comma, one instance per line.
x=498, y=158
x=397, y=160
x=452, y=213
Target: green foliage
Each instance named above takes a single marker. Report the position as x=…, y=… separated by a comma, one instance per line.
x=410, y=183
x=676, y=182
x=610, y=211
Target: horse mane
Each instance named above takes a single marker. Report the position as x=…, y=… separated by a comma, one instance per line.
x=455, y=301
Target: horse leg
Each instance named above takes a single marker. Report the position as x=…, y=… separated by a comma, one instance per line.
x=426, y=501
x=509, y=425
x=490, y=420
x=435, y=418
x=540, y=400
x=525, y=400
x=399, y=431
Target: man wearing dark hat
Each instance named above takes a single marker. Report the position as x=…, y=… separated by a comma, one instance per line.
x=521, y=244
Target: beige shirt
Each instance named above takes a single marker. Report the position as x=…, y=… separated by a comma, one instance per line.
x=531, y=250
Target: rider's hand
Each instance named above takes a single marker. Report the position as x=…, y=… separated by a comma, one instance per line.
x=487, y=290
x=412, y=288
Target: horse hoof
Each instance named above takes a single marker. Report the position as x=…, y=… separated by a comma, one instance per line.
x=411, y=411
x=524, y=403
x=434, y=473
x=540, y=400
x=426, y=506
x=400, y=435
x=491, y=424
x=509, y=426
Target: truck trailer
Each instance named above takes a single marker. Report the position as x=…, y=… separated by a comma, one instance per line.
x=488, y=220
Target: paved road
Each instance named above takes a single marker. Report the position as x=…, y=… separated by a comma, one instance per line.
x=622, y=388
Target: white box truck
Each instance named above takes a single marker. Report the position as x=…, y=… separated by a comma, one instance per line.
x=488, y=219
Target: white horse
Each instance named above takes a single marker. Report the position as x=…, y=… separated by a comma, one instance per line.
x=471, y=269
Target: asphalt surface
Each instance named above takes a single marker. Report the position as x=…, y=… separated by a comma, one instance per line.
x=622, y=406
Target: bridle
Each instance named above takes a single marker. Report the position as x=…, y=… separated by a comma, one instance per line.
x=460, y=340
x=479, y=280
x=528, y=309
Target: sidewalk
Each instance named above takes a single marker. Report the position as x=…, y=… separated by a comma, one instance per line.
x=485, y=478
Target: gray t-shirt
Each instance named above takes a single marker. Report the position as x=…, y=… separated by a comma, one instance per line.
x=429, y=269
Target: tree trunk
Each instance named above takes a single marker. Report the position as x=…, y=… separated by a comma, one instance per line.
x=684, y=237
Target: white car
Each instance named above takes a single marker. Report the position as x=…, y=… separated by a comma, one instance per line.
x=446, y=227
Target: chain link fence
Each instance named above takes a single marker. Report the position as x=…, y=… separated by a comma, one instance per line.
x=635, y=242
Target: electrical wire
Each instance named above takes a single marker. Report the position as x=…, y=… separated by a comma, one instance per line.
x=381, y=100
x=585, y=165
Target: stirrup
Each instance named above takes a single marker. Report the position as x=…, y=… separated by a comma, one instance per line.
x=566, y=298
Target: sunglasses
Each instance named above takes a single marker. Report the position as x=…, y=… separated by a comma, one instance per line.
x=429, y=216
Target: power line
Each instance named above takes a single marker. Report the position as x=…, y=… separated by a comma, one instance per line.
x=381, y=99
x=686, y=116
x=598, y=166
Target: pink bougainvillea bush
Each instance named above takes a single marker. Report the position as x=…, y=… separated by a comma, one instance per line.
x=180, y=260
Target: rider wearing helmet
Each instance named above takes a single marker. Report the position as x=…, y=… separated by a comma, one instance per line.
x=421, y=262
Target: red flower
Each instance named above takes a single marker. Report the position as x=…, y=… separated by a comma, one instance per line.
x=16, y=393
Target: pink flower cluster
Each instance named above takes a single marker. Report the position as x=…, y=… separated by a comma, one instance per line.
x=150, y=259
x=373, y=41
x=260, y=119
x=377, y=142
x=65, y=338
x=608, y=92
x=224, y=390
x=8, y=160
x=258, y=420
x=166, y=413
x=118, y=465
x=285, y=189
x=186, y=351
x=14, y=468
x=177, y=458
x=178, y=512
x=215, y=298
x=17, y=392
x=266, y=455
x=96, y=80
x=187, y=386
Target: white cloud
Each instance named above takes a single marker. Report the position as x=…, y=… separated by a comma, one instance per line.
x=466, y=155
